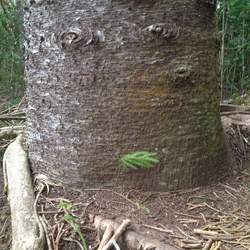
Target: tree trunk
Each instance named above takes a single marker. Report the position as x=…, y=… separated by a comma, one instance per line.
x=107, y=78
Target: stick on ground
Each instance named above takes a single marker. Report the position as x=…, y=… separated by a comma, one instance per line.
x=132, y=240
x=118, y=232
x=106, y=236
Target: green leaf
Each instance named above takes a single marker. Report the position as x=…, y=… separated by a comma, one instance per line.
x=65, y=205
x=140, y=159
x=142, y=207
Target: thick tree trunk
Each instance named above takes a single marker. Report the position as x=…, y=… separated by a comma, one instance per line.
x=106, y=78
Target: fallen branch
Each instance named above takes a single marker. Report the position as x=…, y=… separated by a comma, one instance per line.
x=106, y=236
x=224, y=107
x=11, y=131
x=168, y=231
x=131, y=239
x=208, y=245
x=27, y=231
x=205, y=232
x=118, y=232
x=12, y=117
x=189, y=245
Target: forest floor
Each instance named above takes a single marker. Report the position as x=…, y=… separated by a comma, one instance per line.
x=170, y=217
x=221, y=211
x=188, y=219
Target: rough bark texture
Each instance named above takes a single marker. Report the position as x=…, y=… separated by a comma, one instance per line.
x=106, y=78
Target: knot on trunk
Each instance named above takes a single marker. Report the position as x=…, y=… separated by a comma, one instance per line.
x=164, y=30
x=73, y=38
x=180, y=73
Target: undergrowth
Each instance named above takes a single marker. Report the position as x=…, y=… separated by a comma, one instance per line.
x=72, y=221
x=11, y=53
x=233, y=19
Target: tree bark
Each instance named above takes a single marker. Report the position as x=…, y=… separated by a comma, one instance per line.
x=107, y=78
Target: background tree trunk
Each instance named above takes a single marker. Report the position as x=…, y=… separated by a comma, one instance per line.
x=106, y=78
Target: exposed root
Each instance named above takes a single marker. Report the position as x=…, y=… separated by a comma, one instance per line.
x=27, y=231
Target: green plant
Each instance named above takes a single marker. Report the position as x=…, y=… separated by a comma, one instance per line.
x=140, y=159
x=11, y=50
x=143, y=208
x=233, y=22
x=72, y=221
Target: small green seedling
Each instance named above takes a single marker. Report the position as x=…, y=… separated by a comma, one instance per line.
x=140, y=159
x=72, y=221
x=65, y=205
x=143, y=208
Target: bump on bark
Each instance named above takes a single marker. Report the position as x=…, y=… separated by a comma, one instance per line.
x=165, y=30
x=75, y=37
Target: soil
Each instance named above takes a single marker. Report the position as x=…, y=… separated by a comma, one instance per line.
x=170, y=217
x=223, y=208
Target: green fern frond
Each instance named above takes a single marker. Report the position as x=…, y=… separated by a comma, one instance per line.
x=140, y=159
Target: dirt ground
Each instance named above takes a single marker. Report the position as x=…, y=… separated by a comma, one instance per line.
x=171, y=217
x=187, y=219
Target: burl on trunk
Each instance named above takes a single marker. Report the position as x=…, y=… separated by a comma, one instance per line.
x=106, y=78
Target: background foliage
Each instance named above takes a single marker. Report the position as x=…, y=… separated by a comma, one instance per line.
x=11, y=53
x=233, y=18
x=233, y=24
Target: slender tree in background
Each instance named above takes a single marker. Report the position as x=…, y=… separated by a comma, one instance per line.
x=234, y=27
x=106, y=78
x=11, y=52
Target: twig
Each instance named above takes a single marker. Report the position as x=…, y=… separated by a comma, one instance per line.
x=216, y=245
x=106, y=236
x=21, y=102
x=208, y=244
x=11, y=117
x=203, y=217
x=158, y=229
x=185, y=234
x=76, y=241
x=114, y=192
x=60, y=233
x=4, y=226
x=117, y=233
x=46, y=233
x=219, y=211
x=114, y=243
x=242, y=142
x=131, y=238
x=188, y=245
x=205, y=232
